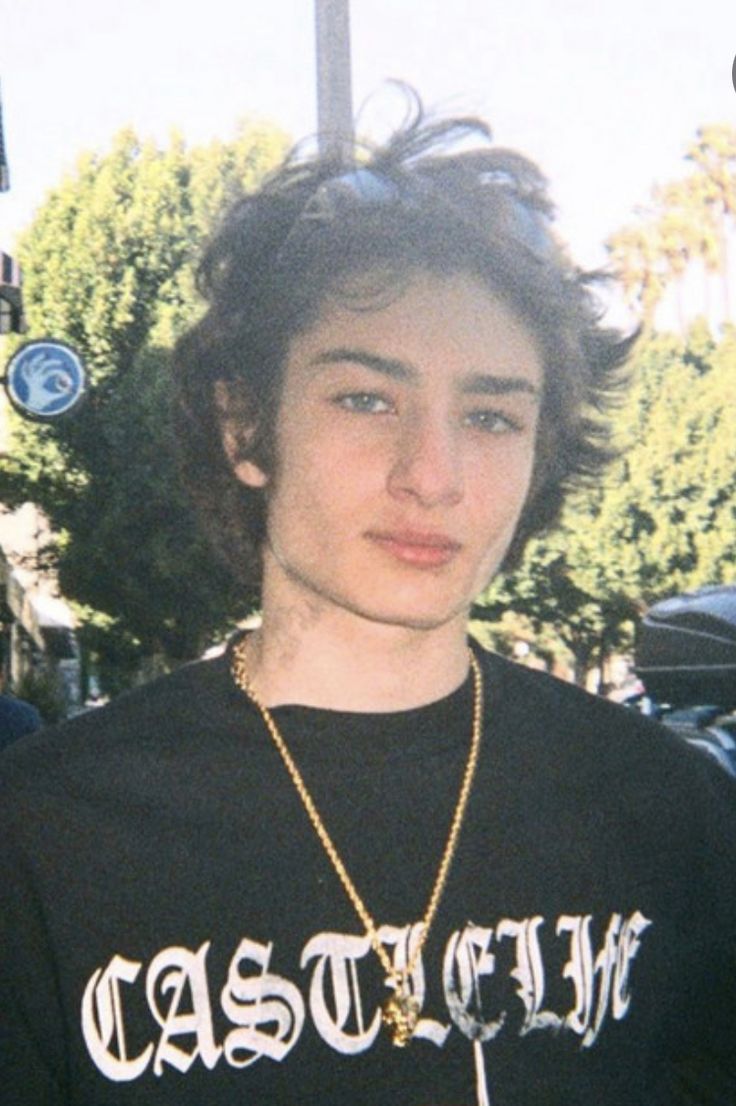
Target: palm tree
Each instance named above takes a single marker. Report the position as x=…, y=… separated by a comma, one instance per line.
x=714, y=154
x=689, y=234
x=637, y=262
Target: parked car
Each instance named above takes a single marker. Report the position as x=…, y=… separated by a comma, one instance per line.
x=685, y=658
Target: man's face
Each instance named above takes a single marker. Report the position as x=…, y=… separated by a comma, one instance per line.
x=404, y=443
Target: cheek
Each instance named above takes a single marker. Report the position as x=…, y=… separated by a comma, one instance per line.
x=504, y=480
x=497, y=505
x=313, y=489
x=325, y=453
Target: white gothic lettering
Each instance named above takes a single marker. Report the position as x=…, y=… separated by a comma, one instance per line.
x=266, y=1011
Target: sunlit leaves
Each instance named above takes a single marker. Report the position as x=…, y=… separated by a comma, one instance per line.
x=108, y=266
x=665, y=519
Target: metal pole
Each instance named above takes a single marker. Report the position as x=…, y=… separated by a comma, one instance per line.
x=334, y=82
x=4, y=170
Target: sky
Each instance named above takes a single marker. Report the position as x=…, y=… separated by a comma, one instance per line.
x=605, y=96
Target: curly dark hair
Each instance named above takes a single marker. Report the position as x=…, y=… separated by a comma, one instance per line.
x=410, y=206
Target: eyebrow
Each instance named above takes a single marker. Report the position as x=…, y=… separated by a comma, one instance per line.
x=489, y=384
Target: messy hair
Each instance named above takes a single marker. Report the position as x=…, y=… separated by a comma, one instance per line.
x=425, y=202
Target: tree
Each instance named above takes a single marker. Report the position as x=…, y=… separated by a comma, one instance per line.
x=714, y=154
x=636, y=258
x=689, y=229
x=108, y=266
x=663, y=522
x=689, y=220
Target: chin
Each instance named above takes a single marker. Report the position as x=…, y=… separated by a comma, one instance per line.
x=410, y=615
x=426, y=603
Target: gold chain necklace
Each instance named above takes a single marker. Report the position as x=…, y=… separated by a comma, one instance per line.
x=401, y=1009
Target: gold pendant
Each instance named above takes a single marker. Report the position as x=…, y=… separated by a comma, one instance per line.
x=401, y=1014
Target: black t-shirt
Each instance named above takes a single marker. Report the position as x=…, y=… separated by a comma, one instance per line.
x=172, y=932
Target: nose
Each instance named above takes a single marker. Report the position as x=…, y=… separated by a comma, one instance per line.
x=427, y=466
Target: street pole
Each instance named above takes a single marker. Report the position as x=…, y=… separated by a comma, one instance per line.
x=334, y=82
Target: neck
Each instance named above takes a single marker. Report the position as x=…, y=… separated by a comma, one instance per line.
x=311, y=653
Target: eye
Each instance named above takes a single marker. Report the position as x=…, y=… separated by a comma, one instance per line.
x=363, y=403
x=493, y=422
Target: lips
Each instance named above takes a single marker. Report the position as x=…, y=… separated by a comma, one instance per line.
x=423, y=549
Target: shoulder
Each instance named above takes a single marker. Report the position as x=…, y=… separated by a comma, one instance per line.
x=596, y=743
x=150, y=720
x=542, y=698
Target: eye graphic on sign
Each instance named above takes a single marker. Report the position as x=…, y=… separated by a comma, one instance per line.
x=45, y=379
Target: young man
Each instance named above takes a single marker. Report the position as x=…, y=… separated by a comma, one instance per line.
x=355, y=860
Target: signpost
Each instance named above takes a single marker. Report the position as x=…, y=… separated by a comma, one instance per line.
x=45, y=379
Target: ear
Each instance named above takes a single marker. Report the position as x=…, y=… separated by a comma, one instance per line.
x=237, y=433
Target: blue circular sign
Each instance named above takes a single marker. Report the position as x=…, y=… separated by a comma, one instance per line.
x=45, y=379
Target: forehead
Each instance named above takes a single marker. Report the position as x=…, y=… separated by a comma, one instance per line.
x=427, y=326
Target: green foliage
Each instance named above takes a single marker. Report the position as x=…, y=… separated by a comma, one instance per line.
x=665, y=520
x=108, y=266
